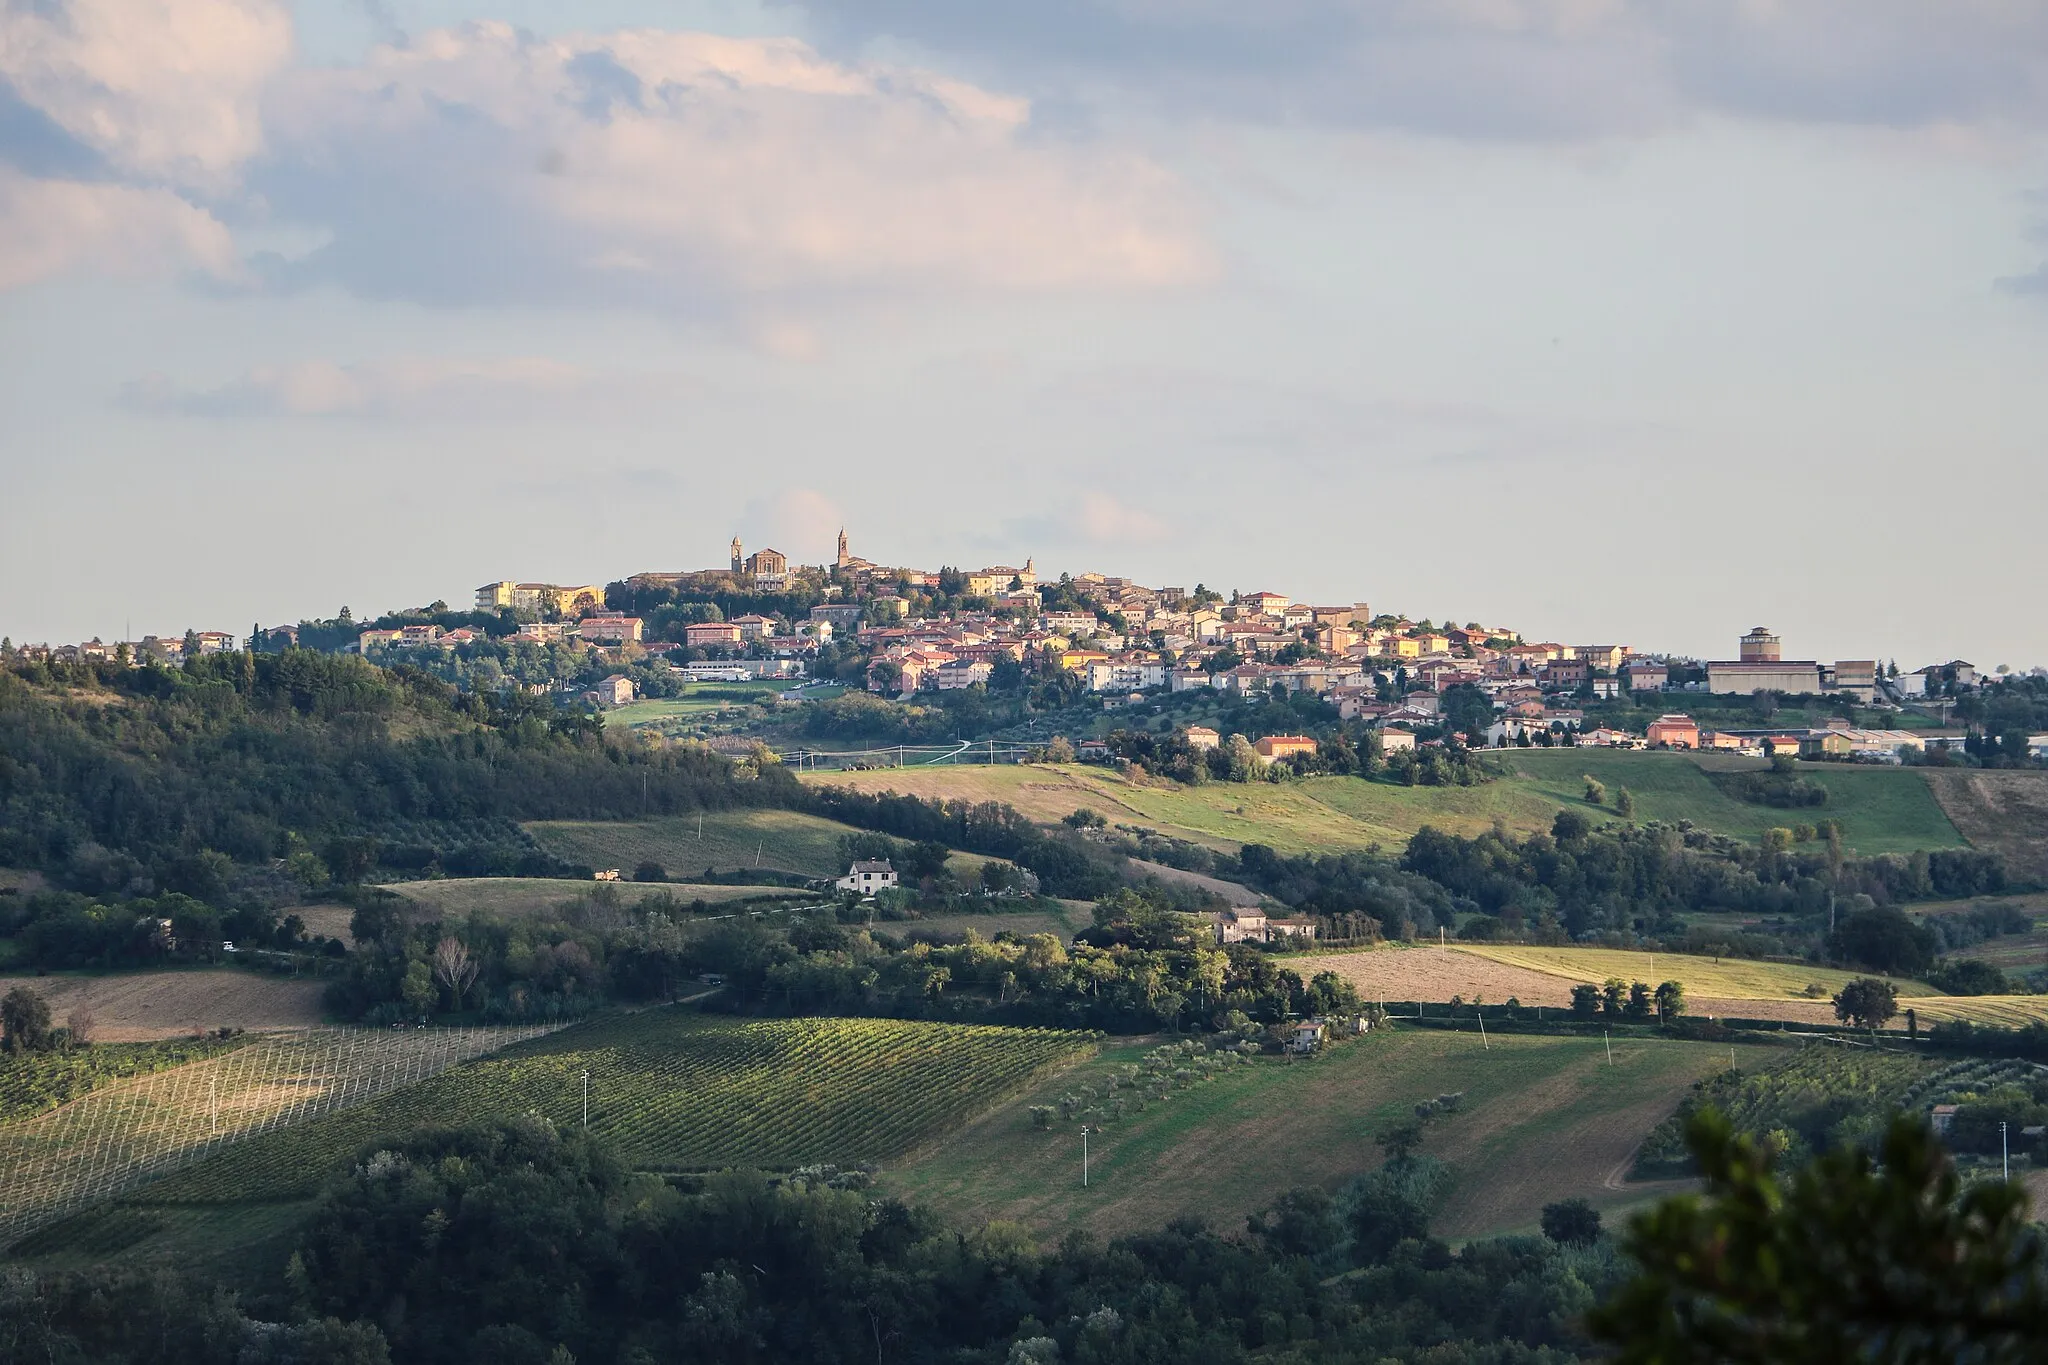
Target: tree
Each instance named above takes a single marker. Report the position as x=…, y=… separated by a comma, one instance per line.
x=1400, y=1141
x=24, y=1021
x=1596, y=791
x=1847, y=1259
x=1585, y=1001
x=1639, y=1004
x=1670, y=1001
x=454, y=968
x=1884, y=939
x=1625, y=804
x=1570, y=827
x=1571, y=1223
x=417, y=988
x=1866, y=1002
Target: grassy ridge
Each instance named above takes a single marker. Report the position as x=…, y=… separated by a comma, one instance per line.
x=1543, y=1118
x=1881, y=810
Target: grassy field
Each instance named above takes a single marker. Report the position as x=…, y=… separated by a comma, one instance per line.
x=699, y=701
x=1881, y=810
x=730, y=841
x=1544, y=977
x=513, y=897
x=1542, y=1119
x=1725, y=978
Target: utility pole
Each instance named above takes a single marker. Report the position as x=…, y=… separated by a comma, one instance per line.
x=586, y=1101
x=1608, y=1035
x=2004, y=1152
x=1084, y=1156
x=1482, y=1031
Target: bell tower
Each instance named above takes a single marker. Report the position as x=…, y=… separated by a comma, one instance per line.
x=738, y=562
x=844, y=554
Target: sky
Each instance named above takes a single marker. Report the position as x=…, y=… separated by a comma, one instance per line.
x=1603, y=321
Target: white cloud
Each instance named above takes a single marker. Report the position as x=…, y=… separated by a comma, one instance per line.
x=419, y=386
x=482, y=162
x=1512, y=69
x=49, y=227
x=1105, y=521
x=166, y=90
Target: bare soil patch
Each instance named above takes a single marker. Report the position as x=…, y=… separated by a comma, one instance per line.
x=2006, y=812
x=141, y=1007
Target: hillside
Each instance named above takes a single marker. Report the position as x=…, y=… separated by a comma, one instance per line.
x=717, y=841
x=1881, y=810
x=2003, y=811
x=1542, y=1119
x=204, y=779
x=672, y=1088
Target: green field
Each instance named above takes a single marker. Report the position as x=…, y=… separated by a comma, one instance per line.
x=730, y=841
x=514, y=897
x=1881, y=810
x=674, y=1089
x=1542, y=1119
x=699, y=702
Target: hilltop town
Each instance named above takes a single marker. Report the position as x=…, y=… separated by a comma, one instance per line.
x=1097, y=640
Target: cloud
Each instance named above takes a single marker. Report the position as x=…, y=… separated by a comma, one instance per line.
x=165, y=90
x=485, y=163
x=50, y=227
x=2034, y=283
x=1509, y=69
x=1105, y=521
x=679, y=171
x=411, y=387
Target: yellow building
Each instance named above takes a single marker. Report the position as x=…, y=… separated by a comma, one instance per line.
x=540, y=598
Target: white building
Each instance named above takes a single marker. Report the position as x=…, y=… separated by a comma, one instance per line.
x=868, y=877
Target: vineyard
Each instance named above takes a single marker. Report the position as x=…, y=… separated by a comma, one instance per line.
x=125, y=1134
x=1820, y=1097
x=35, y=1082
x=676, y=1090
